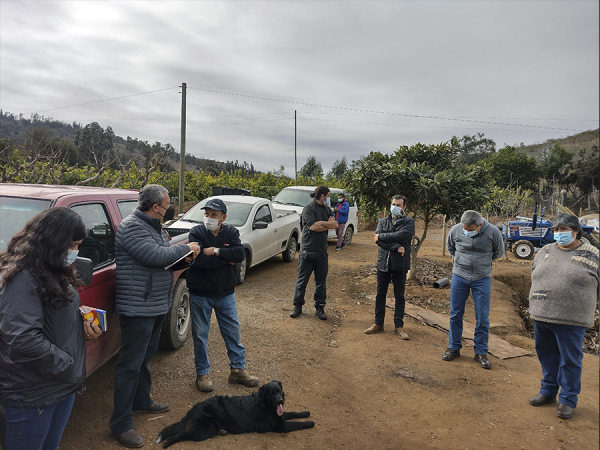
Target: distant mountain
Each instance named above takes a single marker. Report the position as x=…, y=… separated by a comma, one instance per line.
x=17, y=128
x=572, y=144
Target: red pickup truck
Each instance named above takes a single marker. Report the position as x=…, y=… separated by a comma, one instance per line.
x=102, y=210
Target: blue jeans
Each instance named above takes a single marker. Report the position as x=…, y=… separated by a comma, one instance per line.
x=37, y=428
x=558, y=348
x=226, y=312
x=459, y=291
x=139, y=343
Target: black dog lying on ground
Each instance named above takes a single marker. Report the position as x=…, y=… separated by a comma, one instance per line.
x=257, y=413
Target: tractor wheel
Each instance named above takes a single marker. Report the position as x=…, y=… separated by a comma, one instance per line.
x=523, y=249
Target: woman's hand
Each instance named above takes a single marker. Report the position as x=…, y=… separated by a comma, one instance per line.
x=91, y=330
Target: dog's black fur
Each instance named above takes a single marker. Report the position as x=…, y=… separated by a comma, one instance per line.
x=260, y=412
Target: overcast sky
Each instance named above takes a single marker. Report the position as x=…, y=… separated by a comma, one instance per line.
x=363, y=76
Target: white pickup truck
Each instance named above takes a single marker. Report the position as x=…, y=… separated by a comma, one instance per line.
x=264, y=230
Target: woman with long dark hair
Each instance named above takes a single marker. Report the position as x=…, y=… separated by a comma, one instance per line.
x=42, y=338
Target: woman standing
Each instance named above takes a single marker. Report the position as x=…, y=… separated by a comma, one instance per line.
x=562, y=303
x=42, y=338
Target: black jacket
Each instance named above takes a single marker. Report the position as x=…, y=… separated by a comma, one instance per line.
x=214, y=276
x=392, y=236
x=42, y=349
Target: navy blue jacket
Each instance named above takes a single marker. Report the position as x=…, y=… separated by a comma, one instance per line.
x=214, y=276
x=142, y=251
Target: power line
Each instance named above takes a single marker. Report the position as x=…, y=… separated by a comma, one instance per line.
x=382, y=112
x=105, y=100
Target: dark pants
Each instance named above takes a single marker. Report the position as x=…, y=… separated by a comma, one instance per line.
x=305, y=268
x=139, y=343
x=37, y=427
x=558, y=348
x=383, y=281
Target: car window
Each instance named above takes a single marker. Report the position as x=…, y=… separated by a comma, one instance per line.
x=99, y=243
x=126, y=207
x=263, y=214
x=15, y=213
x=294, y=197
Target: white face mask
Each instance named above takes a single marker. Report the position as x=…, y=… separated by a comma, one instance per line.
x=211, y=224
x=70, y=257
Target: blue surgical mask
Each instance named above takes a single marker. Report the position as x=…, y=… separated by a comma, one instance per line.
x=70, y=257
x=396, y=210
x=563, y=237
x=328, y=202
x=470, y=234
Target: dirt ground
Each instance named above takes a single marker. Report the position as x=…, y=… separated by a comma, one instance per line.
x=363, y=391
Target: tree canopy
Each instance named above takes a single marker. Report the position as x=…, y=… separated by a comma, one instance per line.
x=311, y=169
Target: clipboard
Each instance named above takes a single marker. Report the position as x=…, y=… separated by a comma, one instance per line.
x=191, y=252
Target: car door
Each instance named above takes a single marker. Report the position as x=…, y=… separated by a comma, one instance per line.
x=264, y=241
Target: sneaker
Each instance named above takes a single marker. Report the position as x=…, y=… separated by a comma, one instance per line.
x=320, y=313
x=450, y=354
x=483, y=361
x=203, y=383
x=337, y=249
x=374, y=329
x=130, y=438
x=401, y=333
x=240, y=376
x=344, y=245
x=296, y=311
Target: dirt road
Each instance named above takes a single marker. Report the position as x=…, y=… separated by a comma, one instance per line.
x=363, y=391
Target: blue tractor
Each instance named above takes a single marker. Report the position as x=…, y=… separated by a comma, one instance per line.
x=524, y=236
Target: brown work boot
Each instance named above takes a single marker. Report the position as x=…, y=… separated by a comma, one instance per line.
x=374, y=329
x=130, y=438
x=203, y=383
x=240, y=376
x=401, y=333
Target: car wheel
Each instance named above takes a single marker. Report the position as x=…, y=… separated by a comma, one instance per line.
x=177, y=323
x=348, y=235
x=523, y=250
x=240, y=269
x=290, y=251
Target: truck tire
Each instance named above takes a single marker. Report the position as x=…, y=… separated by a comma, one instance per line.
x=177, y=323
x=290, y=251
x=523, y=250
x=348, y=235
x=240, y=269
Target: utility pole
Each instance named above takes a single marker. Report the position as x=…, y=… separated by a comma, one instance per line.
x=295, y=151
x=182, y=151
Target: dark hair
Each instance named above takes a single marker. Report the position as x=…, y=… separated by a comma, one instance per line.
x=341, y=194
x=567, y=220
x=40, y=247
x=319, y=192
x=400, y=197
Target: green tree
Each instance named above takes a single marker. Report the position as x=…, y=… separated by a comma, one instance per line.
x=311, y=169
x=556, y=165
x=587, y=170
x=509, y=167
x=95, y=145
x=427, y=175
x=472, y=149
x=338, y=170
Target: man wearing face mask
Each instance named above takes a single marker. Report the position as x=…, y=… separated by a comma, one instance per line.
x=143, y=297
x=474, y=244
x=393, y=236
x=317, y=220
x=211, y=281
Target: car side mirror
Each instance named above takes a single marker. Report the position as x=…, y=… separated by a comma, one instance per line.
x=260, y=225
x=180, y=215
x=85, y=270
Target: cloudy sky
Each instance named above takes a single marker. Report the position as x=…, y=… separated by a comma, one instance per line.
x=362, y=75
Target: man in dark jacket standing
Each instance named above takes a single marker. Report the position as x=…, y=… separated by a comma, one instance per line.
x=317, y=220
x=211, y=281
x=143, y=297
x=341, y=217
x=393, y=236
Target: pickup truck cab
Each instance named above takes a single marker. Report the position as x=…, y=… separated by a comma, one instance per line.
x=102, y=210
x=295, y=198
x=264, y=231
